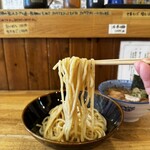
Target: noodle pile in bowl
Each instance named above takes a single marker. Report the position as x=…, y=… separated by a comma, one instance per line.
x=76, y=119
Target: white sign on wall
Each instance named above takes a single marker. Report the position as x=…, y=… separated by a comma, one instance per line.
x=12, y=4
x=132, y=49
x=117, y=29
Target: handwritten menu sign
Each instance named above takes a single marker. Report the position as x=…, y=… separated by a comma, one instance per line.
x=10, y=20
x=27, y=19
x=18, y=22
x=139, y=13
x=15, y=28
x=54, y=12
x=132, y=49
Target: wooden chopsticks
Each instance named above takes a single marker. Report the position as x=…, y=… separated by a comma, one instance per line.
x=124, y=61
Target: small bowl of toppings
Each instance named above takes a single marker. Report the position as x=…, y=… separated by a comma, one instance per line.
x=131, y=96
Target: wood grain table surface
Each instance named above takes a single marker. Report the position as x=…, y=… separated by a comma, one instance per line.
x=13, y=136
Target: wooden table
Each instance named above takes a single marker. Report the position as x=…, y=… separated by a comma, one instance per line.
x=13, y=136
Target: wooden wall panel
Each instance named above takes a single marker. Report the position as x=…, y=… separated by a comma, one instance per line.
x=81, y=48
x=74, y=23
x=16, y=64
x=3, y=74
x=37, y=64
x=98, y=49
x=103, y=50
x=26, y=64
x=57, y=50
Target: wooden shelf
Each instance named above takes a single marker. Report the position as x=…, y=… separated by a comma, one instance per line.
x=75, y=23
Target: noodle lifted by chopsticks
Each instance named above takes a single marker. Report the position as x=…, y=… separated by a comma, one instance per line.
x=72, y=120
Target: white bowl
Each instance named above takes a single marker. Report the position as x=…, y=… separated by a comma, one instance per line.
x=132, y=110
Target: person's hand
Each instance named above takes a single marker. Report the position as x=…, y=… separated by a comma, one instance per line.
x=143, y=70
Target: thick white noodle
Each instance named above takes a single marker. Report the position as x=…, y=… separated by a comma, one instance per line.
x=73, y=120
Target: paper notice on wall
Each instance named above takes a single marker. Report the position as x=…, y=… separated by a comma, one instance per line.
x=132, y=49
x=12, y=4
x=105, y=2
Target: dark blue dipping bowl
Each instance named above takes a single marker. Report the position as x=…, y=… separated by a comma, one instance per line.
x=38, y=109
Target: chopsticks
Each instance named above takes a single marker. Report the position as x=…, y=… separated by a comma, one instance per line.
x=124, y=61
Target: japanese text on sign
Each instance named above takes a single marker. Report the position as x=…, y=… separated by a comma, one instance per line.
x=141, y=14
x=117, y=29
x=54, y=13
x=132, y=49
x=15, y=28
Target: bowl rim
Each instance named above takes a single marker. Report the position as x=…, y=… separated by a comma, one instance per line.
x=118, y=100
x=38, y=137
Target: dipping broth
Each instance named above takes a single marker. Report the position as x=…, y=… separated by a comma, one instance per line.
x=134, y=95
